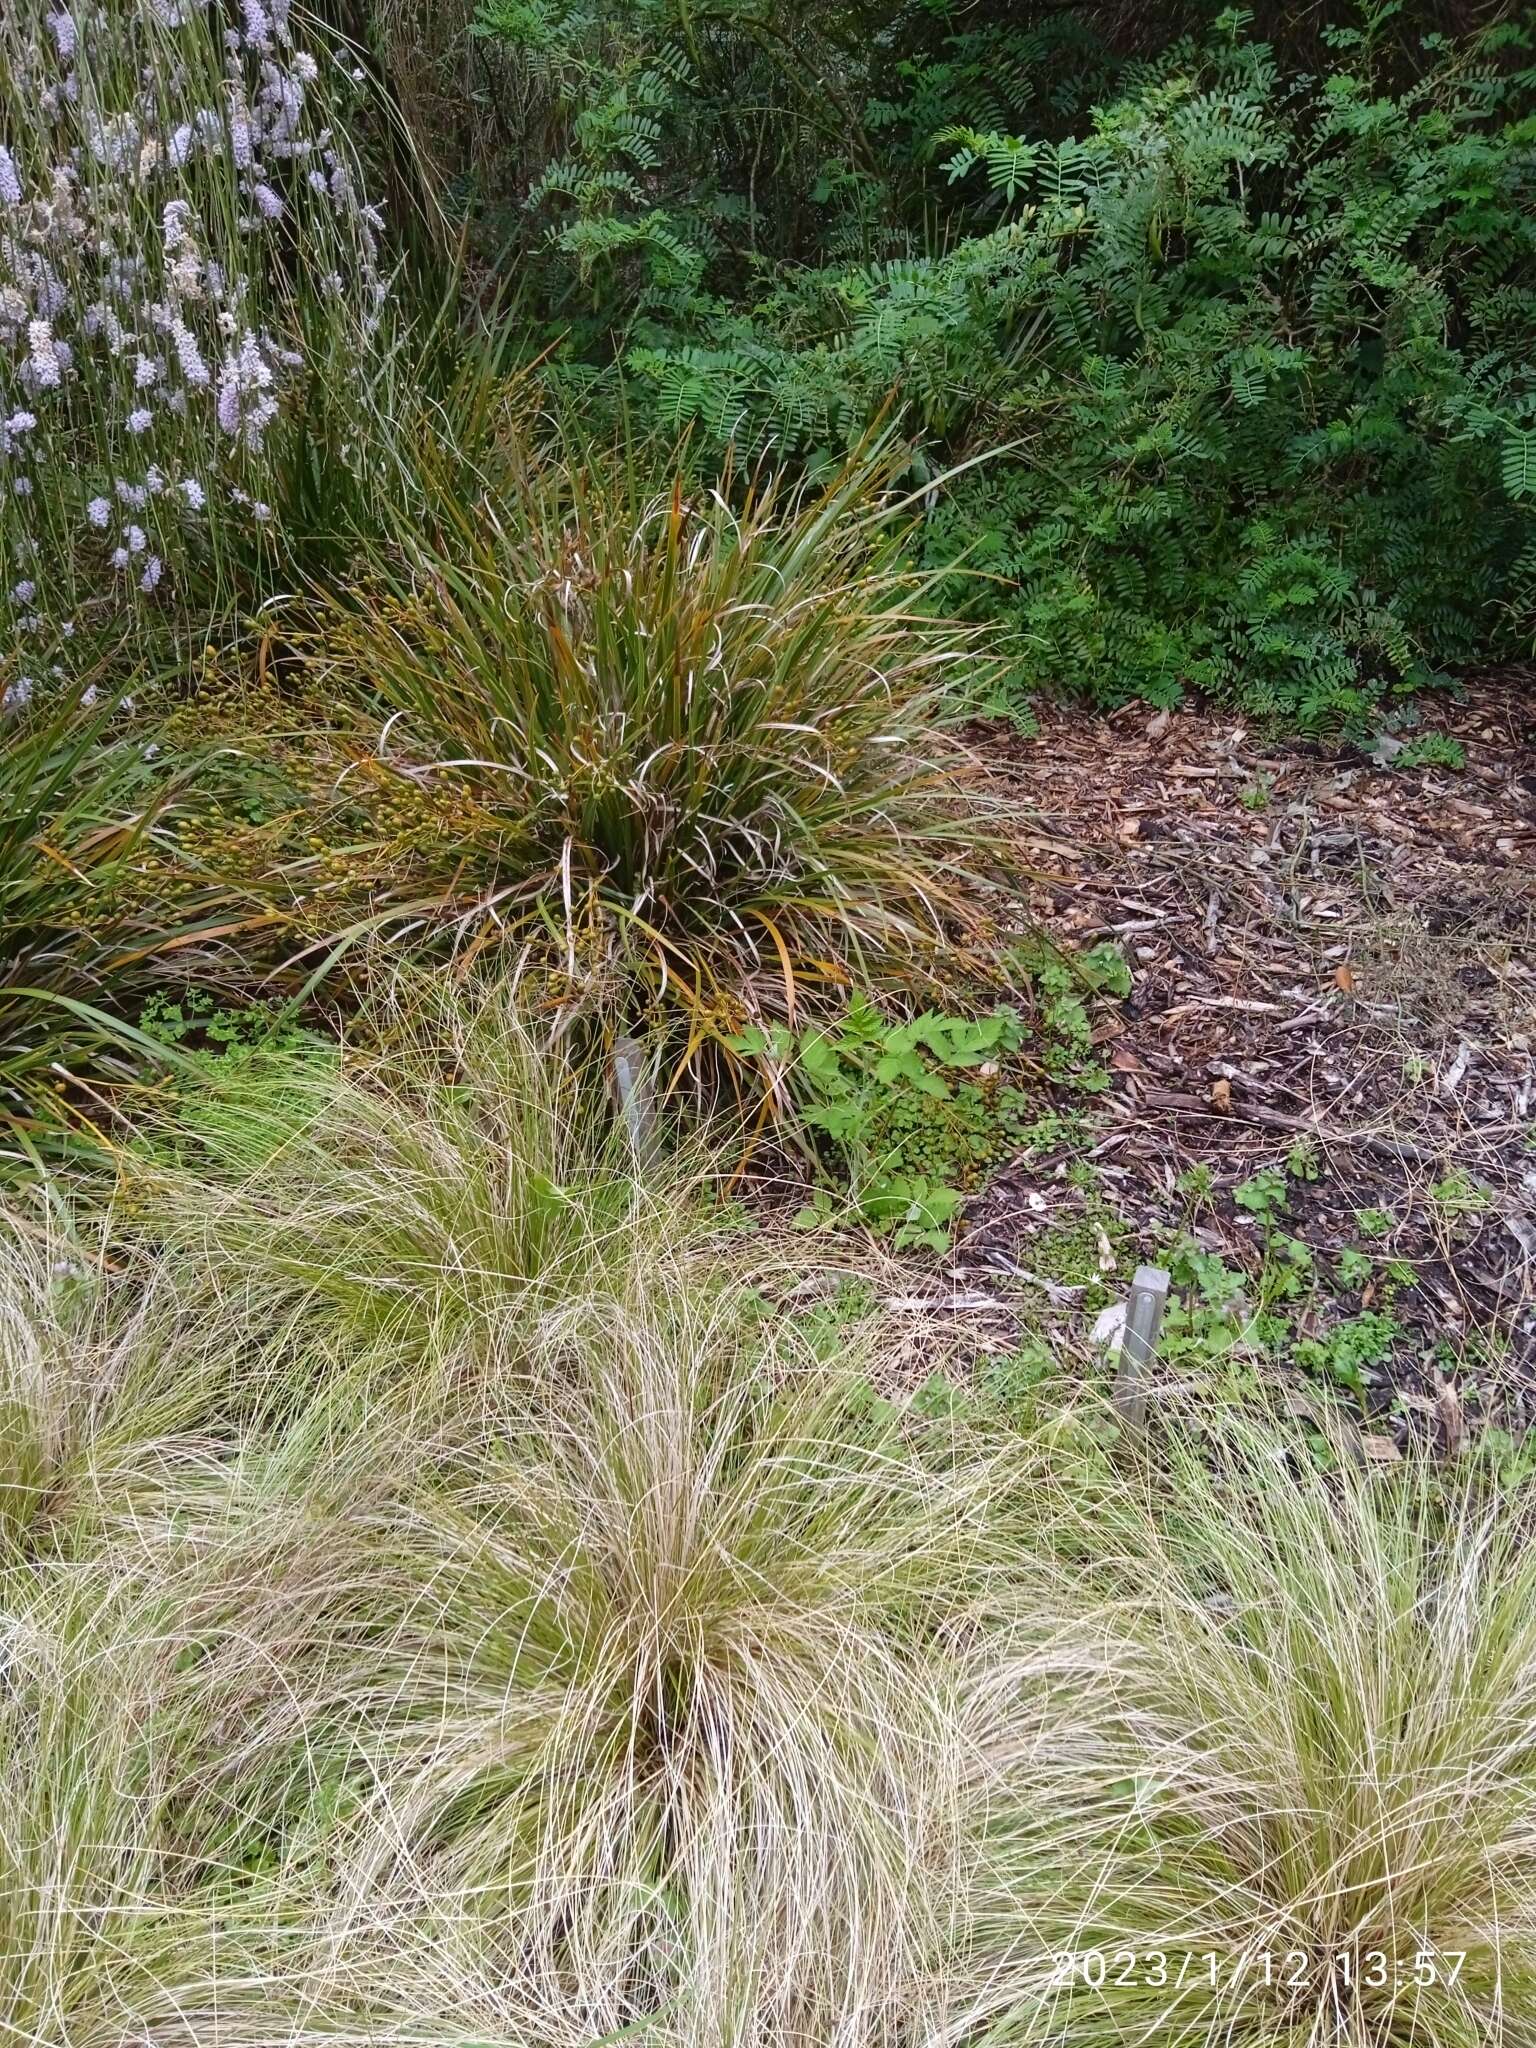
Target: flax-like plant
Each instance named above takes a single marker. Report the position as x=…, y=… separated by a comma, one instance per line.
x=1304, y=1809
x=696, y=746
x=83, y=929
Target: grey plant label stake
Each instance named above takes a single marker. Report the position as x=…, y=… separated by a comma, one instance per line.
x=1138, y=1344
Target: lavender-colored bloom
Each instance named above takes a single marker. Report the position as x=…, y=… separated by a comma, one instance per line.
x=43, y=360
x=63, y=28
x=193, y=368
x=258, y=26
x=242, y=148
x=14, y=429
x=22, y=487
x=134, y=496
x=18, y=695
x=282, y=101
x=136, y=538
x=146, y=372
x=101, y=318
x=99, y=511
x=245, y=405
x=140, y=420
x=119, y=558
x=179, y=148
x=24, y=592
x=121, y=276
x=194, y=493
x=115, y=141
x=90, y=697
x=268, y=205
x=151, y=576
x=10, y=178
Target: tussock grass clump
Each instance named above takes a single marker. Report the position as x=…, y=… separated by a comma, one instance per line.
x=106, y=1392
x=528, y=1634
x=696, y=748
x=416, y=1207
x=672, y=1723
x=1315, y=1744
x=115, y=1924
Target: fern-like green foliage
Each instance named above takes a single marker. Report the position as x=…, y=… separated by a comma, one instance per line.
x=1247, y=354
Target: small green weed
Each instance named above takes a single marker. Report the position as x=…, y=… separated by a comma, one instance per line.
x=1064, y=985
x=1255, y=795
x=1354, y=1269
x=1302, y=1161
x=1459, y=1195
x=1264, y=1194
x=198, y=1023
x=1432, y=750
x=907, y=1115
x=1350, y=1351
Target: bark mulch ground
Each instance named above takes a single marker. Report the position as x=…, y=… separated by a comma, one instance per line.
x=1335, y=959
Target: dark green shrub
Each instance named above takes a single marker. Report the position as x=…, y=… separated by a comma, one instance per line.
x=1247, y=351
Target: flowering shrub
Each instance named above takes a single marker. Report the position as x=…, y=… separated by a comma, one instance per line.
x=185, y=251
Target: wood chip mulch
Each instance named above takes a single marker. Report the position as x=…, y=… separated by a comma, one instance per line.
x=1331, y=949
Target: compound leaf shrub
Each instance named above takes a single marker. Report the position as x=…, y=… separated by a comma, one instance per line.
x=1258, y=353
x=1246, y=350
